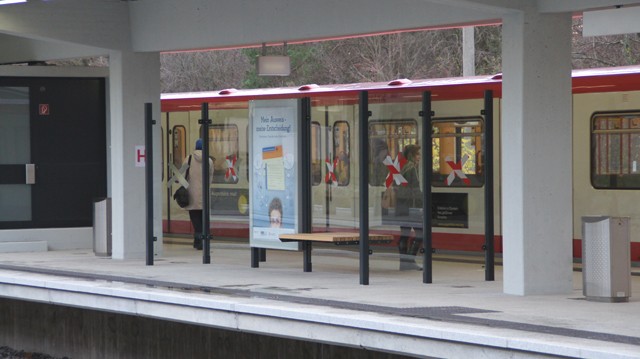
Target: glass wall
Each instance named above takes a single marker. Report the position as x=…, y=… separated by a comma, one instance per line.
x=395, y=185
x=333, y=137
x=228, y=144
x=15, y=149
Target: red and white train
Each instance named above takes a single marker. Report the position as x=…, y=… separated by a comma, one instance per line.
x=606, y=151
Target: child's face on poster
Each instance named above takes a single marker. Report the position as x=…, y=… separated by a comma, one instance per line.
x=275, y=217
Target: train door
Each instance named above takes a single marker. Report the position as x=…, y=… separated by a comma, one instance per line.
x=52, y=151
x=178, y=148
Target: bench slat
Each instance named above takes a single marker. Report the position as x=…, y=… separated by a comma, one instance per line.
x=333, y=237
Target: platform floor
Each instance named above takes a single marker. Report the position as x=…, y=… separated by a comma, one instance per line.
x=458, y=315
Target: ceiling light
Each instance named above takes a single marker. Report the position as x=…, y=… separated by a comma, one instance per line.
x=273, y=65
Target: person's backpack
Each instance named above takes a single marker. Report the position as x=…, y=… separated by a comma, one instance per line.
x=182, y=195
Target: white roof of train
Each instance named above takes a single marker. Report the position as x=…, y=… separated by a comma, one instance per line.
x=400, y=83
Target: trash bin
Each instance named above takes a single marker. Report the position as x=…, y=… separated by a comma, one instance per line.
x=606, y=262
x=102, y=227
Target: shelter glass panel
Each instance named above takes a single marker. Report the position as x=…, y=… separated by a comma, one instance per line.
x=457, y=152
x=229, y=138
x=334, y=203
x=223, y=150
x=395, y=174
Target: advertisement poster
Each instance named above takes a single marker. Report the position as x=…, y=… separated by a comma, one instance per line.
x=274, y=177
x=450, y=210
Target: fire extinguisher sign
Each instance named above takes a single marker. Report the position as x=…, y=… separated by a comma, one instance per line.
x=43, y=109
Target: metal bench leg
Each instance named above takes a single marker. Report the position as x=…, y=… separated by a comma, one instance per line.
x=255, y=257
x=306, y=249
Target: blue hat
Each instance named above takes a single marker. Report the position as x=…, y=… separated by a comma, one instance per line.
x=199, y=144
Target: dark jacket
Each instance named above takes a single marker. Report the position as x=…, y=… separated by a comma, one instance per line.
x=409, y=196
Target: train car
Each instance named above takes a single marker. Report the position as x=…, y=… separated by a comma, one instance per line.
x=606, y=149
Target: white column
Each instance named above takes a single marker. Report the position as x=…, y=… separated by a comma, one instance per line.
x=537, y=153
x=468, y=51
x=134, y=80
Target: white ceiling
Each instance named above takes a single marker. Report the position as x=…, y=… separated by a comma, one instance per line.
x=46, y=29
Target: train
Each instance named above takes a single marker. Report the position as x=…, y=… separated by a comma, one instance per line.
x=606, y=152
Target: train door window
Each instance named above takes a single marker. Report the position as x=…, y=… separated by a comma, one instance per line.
x=457, y=152
x=342, y=155
x=316, y=157
x=162, y=160
x=223, y=150
x=388, y=138
x=179, y=136
x=615, y=150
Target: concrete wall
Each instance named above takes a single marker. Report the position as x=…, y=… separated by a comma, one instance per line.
x=77, y=333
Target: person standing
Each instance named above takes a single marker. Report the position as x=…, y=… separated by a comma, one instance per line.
x=195, y=190
x=409, y=196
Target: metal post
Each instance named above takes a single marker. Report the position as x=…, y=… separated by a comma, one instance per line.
x=427, y=168
x=205, y=236
x=327, y=185
x=255, y=257
x=167, y=156
x=488, y=186
x=148, y=139
x=305, y=176
x=363, y=138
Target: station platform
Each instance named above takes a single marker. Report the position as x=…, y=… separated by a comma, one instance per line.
x=459, y=315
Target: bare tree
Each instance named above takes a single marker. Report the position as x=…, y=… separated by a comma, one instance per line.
x=488, y=49
x=604, y=51
x=392, y=56
x=202, y=70
x=420, y=54
x=98, y=61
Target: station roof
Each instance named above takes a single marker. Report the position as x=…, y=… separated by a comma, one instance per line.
x=53, y=29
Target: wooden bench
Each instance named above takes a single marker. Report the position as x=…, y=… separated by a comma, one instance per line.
x=337, y=238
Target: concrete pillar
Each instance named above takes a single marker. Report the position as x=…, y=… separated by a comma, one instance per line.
x=134, y=79
x=468, y=51
x=537, y=153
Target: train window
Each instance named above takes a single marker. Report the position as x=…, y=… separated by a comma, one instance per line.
x=179, y=137
x=342, y=155
x=457, y=152
x=162, y=161
x=615, y=150
x=316, y=157
x=388, y=138
x=223, y=150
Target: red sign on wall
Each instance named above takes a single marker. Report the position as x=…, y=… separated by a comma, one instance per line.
x=43, y=109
